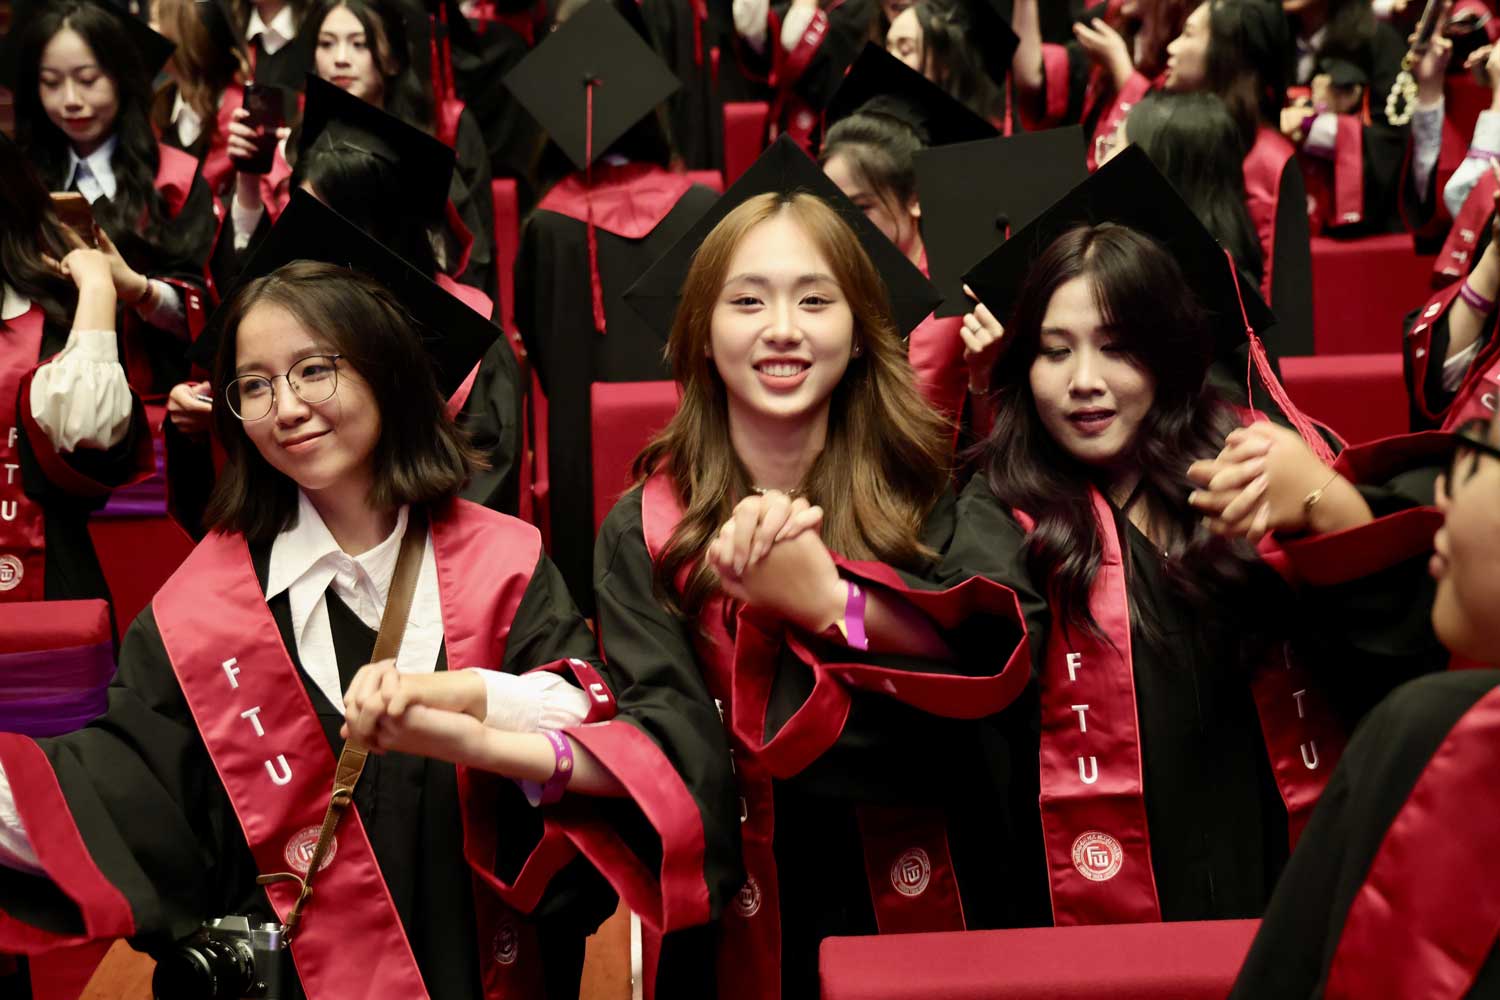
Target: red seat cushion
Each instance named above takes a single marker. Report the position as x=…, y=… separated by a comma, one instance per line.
x=1361, y=396
x=1361, y=291
x=626, y=415
x=744, y=135
x=1181, y=961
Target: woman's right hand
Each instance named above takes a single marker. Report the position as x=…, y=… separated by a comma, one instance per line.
x=984, y=342
x=241, y=141
x=187, y=410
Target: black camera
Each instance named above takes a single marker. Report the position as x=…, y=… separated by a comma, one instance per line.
x=227, y=959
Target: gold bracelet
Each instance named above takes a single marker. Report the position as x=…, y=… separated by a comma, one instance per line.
x=1311, y=500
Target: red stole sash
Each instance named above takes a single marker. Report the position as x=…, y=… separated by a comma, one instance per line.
x=1428, y=914
x=1463, y=239
x=912, y=882
x=1263, y=169
x=1092, y=799
x=1336, y=189
x=23, y=545
x=175, y=172
x=481, y=303
x=268, y=746
x=1477, y=396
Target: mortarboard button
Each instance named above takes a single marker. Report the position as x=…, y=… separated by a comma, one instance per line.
x=783, y=168
x=973, y=192
x=455, y=335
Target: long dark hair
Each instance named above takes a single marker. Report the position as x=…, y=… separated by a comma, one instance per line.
x=362, y=187
x=951, y=60
x=1249, y=61
x=137, y=208
x=28, y=229
x=1351, y=29
x=407, y=96
x=880, y=142
x=422, y=456
x=1166, y=332
x=1161, y=21
x=1196, y=144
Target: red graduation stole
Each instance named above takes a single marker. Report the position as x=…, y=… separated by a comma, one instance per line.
x=23, y=546
x=1428, y=914
x=268, y=746
x=1457, y=254
x=907, y=861
x=1264, y=166
x=1477, y=397
x=1092, y=796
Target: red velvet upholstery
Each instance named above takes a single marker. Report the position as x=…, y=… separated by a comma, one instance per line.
x=1183, y=961
x=507, y=245
x=1361, y=396
x=625, y=416
x=711, y=179
x=744, y=135
x=137, y=555
x=1463, y=99
x=1361, y=291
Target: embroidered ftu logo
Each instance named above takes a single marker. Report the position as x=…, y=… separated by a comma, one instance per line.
x=911, y=872
x=1097, y=856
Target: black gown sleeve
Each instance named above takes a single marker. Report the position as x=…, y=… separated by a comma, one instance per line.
x=475, y=202
x=492, y=418
x=1291, y=268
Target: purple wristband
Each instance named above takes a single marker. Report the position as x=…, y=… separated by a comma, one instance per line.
x=539, y=794
x=854, y=617
x=1473, y=298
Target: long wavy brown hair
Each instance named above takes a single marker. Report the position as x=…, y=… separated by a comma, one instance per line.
x=884, y=464
x=204, y=69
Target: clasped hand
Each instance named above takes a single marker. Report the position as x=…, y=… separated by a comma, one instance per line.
x=769, y=555
x=1259, y=482
x=437, y=715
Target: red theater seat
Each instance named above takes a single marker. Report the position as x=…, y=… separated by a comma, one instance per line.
x=1183, y=961
x=1361, y=396
x=507, y=245
x=711, y=179
x=1361, y=291
x=744, y=135
x=625, y=417
x=137, y=555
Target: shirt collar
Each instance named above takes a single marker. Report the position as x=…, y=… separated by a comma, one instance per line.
x=1313, y=42
x=282, y=29
x=99, y=165
x=13, y=304
x=308, y=548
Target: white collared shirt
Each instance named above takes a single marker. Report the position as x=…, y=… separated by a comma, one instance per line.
x=1307, y=55
x=274, y=36
x=189, y=126
x=80, y=398
x=96, y=179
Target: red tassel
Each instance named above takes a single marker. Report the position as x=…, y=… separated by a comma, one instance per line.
x=449, y=89
x=596, y=287
x=1260, y=363
x=700, y=14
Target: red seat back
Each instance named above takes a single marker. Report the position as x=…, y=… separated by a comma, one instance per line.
x=626, y=415
x=1361, y=396
x=1177, y=961
x=711, y=179
x=507, y=245
x=744, y=135
x=1361, y=291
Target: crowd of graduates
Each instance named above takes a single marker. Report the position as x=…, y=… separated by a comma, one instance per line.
x=986, y=575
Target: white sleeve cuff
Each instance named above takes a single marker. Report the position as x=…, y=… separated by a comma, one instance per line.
x=750, y=18
x=245, y=221
x=15, y=847
x=1456, y=367
x=796, y=22
x=525, y=703
x=1427, y=143
x=81, y=398
x=1322, y=136
x=166, y=311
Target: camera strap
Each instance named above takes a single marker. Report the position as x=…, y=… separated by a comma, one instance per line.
x=352, y=761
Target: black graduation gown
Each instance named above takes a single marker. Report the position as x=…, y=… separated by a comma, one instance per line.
x=1217, y=824
x=157, y=821
x=696, y=111
x=555, y=316
x=475, y=203
x=73, y=571
x=1303, y=923
x=287, y=67
x=888, y=753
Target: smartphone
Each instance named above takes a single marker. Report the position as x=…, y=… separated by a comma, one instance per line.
x=73, y=210
x=267, y=108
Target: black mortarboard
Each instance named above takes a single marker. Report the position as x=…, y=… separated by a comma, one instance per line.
x=1343, y=72
x=596, y=45
x=152, y=48
x=991, y=34
x=974, y=194
x=455, y=335
x=424, y=163
x=1129, y=190
x=878, y=74
x=784, y=168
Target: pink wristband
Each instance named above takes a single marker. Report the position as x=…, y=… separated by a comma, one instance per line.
x=854, y=617
x=1473, y=298
x=539, y=794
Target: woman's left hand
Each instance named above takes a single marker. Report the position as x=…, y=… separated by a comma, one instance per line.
x=795, y=578
x=380, y=694
x=1259, y=482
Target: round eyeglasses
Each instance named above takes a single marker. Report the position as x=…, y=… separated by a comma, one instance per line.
x=1469, y=444
x=313, y=379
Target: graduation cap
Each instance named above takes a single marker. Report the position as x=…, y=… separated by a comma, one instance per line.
x=153, y=49
x=593, y=70
x=878, y=74
x=783, y=168
x=1342, y=72
x=974, y=194
x=1130, y=191
x=991, y=34
x=424, y=164
x=455, y=336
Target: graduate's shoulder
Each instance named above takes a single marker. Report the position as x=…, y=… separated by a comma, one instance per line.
x=621, y=534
